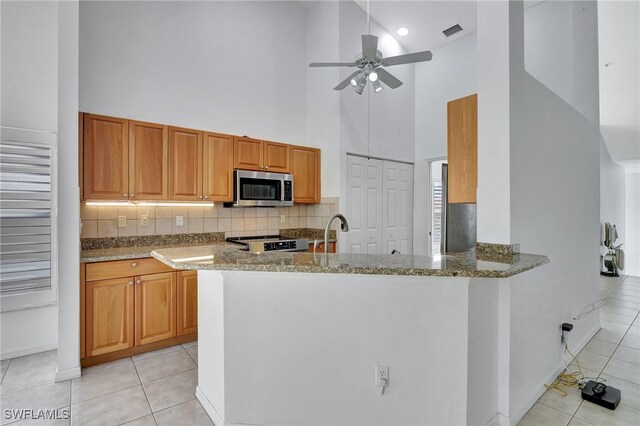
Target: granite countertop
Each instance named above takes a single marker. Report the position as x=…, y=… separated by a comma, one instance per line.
x=123, y=248
x=466, y=264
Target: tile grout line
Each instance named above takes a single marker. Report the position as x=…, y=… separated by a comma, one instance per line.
x=144, y=390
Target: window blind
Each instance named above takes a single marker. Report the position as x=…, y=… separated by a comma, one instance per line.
x=25, y=216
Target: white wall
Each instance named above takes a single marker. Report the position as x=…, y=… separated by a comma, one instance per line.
x=612, y=194
x=555, y=212
x=450, y=75
x=232, y=67
x=29, y=80
x=68, y=194
x=323, y=109
x=632, y=227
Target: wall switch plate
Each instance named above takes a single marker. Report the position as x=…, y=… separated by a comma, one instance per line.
x=283, y=218
x=122, y=221
x=144, y=220
x=179, y=220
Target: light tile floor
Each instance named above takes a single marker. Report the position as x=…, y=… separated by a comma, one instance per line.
x=155, y=388
x=613, y=354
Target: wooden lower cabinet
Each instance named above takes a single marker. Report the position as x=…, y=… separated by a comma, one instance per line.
x=155, y=304
x=187, y=302
x=124, y=316
x=109, y=316
x=320, y=249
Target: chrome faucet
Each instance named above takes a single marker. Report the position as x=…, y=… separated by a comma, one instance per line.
x=344, y=227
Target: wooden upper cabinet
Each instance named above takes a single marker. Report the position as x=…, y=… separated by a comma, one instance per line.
x=109, y=310
x=105, y=157
x=305, y=168
x=155, y=300
x=276, y=157
x=248, y=153
x=462, y=149
x=148, y=161
x=185, y=164
x=187, y=302
x=218, y=167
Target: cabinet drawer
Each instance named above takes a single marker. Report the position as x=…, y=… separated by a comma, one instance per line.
x=124, y=268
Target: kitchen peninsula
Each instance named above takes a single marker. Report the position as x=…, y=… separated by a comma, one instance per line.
x=297, y=338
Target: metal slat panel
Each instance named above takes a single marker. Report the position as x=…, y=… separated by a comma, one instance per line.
x=24, y=239
x=25, y=204
x=22, y=286
x=25, y=230
x=25, y=215
x=36, y=221
x=19, y=195
x=7, y=259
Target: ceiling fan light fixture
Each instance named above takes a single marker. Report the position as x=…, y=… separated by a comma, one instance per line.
x=402, y=31
x=377, y=86
x=355, y=81
x=373, y=76
x=360, y=87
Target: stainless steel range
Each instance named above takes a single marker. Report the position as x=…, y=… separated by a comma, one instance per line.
x=268, y=243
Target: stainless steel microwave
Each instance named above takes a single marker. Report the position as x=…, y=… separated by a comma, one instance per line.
x=262, y=189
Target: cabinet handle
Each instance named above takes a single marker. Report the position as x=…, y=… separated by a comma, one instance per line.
x=201, y=196
x=125, y=194
x=206, y=196
x=138, y=282
x=133, y=195
x=130, y=282
x=134, y=264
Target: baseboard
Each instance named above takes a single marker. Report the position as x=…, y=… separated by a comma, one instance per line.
x=540, y=389
x=208, y=407
x=68, y=374
x=30, y=351
x=498, y=420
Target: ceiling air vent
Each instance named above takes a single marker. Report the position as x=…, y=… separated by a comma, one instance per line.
x=452, y=30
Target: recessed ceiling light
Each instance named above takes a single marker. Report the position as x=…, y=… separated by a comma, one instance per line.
x=402, y=31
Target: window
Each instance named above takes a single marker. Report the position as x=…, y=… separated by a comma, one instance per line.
x=27, y=218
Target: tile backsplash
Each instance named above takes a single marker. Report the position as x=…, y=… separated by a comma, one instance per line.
x=102, y=221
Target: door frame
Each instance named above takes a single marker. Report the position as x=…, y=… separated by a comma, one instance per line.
x=430, y=162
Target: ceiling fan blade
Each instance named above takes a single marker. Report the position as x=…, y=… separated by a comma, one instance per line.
x=388, y=79
x=369, y=45
x=331, y=64
x=408, y=58
x=346, y=81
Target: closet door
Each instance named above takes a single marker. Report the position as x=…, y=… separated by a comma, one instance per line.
x=365, y=205
x=397, y=216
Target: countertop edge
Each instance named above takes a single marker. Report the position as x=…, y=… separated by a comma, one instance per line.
x=462, y=273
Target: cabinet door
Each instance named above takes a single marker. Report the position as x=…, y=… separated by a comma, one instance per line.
x=305, y=168
x=462, y=149
x=148, y=161
x=109, y=311
x=276, y=157
x=247, y=154
x=218, y=167
x=105, y=158
x=320, y=249
x=187, y=302
x=185, y=164
x=155, y=307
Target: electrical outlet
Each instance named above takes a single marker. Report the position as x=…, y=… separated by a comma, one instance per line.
x=283, y=218
x=179, y=220
x=122, y=221
x=144, y=220
x=382, y=375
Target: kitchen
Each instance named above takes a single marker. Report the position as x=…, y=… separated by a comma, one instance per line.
x=179, y=122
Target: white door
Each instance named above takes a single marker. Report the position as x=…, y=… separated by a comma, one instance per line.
x=397, y=199
x=364, y=203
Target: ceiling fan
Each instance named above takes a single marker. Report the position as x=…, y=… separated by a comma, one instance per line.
x=370, y=63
